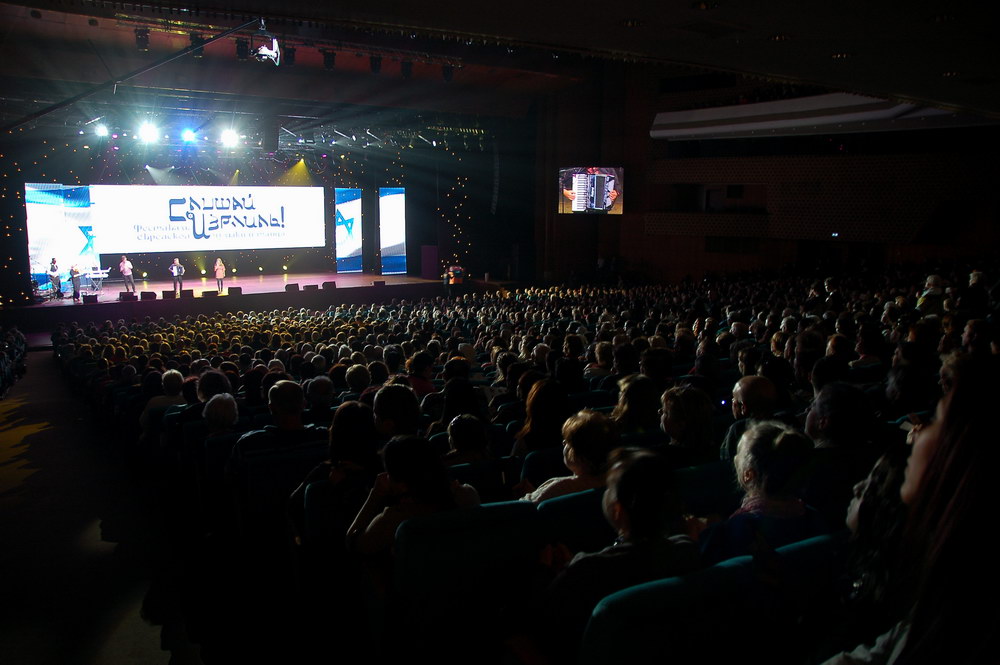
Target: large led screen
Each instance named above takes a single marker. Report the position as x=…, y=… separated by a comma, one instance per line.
x=76, y=224
x=348, y=213
x=392, y=229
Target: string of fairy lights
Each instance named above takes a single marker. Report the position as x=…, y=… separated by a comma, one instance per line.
x=81, y=160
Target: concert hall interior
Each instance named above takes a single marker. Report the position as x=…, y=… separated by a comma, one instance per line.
x=406, y=152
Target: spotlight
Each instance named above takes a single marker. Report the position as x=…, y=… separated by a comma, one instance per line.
x=198, y=40
x=188, y=136
x=242, y=49
x=230, y=138
x=101, y=130
x=265, y=52
x=447, y=71
x=260, y=268
x=289, y=56
x=284, y=267
x=145, y=275
x=142, y=39
x=148, y=132
x=375, y=62
x=203, y=271
x=329, y=59
x=406, y=69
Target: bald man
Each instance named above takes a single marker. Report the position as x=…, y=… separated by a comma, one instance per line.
x=754, y=398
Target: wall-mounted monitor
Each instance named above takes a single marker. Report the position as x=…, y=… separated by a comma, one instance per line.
x=591, y=190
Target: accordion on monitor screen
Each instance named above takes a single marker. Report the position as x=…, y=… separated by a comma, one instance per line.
x=592, y=192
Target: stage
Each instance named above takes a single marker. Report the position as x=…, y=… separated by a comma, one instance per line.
x=200, y=297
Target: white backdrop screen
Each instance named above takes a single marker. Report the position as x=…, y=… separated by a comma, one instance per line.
x=392, y=229
x=70, y=222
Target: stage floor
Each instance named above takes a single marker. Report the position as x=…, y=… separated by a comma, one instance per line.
x=250, y=284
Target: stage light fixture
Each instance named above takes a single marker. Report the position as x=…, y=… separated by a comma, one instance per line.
x=406, y=69
x=329, y=59
x=260, y=268
x=142, y=39
x=285, y=268
x=101, y=130
x=242, y=49
x=148, y=132
x=272, y=52
x=230, y=138
x=375, y=62
x=189, y=136
x=203, y=271
x=289, y=56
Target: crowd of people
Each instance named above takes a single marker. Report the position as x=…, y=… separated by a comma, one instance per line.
x=806, y=390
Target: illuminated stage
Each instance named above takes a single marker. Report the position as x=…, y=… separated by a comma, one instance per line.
x=259, y=292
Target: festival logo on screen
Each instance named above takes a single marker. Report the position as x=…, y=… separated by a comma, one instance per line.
x=348, y=229
x=130, y=219
x=232, y=214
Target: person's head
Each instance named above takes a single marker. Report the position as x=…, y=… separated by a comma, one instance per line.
x=353, y=436
x=769, y=459
x=213, y=382
x=358, y=378
x=220, y=412
x=285, y=398
x=396, y=410
x=588, y=437
x=686, y=416
x=176, y=261
x=754, y=397
x=124, y=258
x=417, y=472
x=172, y=382
x=420, y=364
x=467, y=433
x=638, y=403
x=842, y=416
x=640, y=501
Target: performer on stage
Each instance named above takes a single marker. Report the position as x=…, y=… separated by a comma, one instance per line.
x=54, y=278
x=126, y=269
x=177, y=270
x=220, y=273
x=74, y=276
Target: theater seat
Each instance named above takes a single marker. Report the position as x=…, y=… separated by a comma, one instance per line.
x=768, y=609
x=577, y=521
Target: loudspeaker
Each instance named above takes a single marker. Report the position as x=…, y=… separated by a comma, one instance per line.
x=329, y=285
x=311, y=287
x=209, y=294
x=187, y=293
x=168, y=295
x=89, y=299
x=291, y=287
x=235, y=290
x=378, y=282
x=147, y=295
x=126, y=296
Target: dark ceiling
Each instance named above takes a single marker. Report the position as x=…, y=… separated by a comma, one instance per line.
x=930, y=53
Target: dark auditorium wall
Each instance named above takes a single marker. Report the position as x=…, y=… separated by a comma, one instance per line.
x=888, y=198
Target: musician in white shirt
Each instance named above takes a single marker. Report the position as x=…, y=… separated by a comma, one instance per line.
x=177, y=270
x=126, y=269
